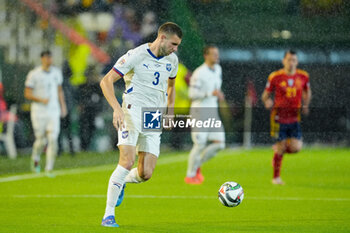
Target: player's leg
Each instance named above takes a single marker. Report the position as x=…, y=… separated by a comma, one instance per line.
x=39, y=126
x=146, y=164
x=149, y=144
x=52, y=132
x=127, y=139
x=279, y=149
x=217, y=143
x=210, y=151
x=295, y=145
x=295, y=142
x=278, y=156
x=117, y=179
x=133, y=176
x=194, y=159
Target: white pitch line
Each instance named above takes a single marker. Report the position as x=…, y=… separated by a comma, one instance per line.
x=62, y=172
x=57, y=173
x=165, y=160
x=179, y=197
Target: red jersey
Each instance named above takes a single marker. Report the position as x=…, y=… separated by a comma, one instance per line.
x=287, y=90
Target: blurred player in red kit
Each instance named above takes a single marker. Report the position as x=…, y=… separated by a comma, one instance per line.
x=287, y=93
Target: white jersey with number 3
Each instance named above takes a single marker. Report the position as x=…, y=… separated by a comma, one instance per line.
x=146, y=76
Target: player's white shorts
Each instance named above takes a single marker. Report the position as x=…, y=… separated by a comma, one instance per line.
x=44, y=123
x=133, y=135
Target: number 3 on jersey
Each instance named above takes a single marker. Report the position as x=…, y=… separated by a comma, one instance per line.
x=156, y=75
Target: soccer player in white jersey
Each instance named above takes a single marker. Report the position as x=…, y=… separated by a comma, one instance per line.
x=43, y=87
x=149, y=72
x=205, y=93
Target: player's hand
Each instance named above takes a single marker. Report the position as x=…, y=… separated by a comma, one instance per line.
x=64, y=112
x=305, y=110
x=118, y=119
x=268, y=103
x=45, y=101
x=219, y=94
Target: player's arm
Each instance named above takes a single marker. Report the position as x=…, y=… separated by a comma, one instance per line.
x=267, y=94
x=107, y=86
x=196, y=90
x=170, y=103
x=306, y=96
x=306, y=100
x=62, y=101
x=28, y=94
x=171, y=96
x=266, y=99
x=218, y=92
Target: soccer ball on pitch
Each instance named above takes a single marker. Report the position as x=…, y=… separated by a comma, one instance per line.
x=231, y=194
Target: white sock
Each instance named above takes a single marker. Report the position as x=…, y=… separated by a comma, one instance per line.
x=194, y=160
x=38, y=148
x=133, y=177
x=51, y=153
x=115, y=185
x=210, y=151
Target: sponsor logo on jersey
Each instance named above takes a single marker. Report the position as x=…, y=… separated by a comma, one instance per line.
x=125, y=134
x=290, y=82
x=157, y=65
x=168, y=67
x=152, y=119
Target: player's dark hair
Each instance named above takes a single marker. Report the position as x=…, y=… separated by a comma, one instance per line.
x=45, y=53
x=290, y=51
x=170, y=28
x=207, y=48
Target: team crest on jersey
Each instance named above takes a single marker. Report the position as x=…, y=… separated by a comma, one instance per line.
x=168, y=67
x=290, y=82
x=125, y=134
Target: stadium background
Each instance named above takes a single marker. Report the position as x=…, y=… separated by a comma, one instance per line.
x=252, y=38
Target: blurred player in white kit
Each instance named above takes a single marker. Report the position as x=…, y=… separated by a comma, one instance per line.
x=205, y=93
x=43, y=88
x=149, y=72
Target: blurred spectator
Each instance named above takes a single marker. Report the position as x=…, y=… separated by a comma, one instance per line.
x=182, y=100
x=125, y=25
x=90, y=105
x=78, y=63
x=5, y=116
x=149, y=27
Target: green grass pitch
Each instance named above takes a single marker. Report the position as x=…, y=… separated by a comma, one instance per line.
x=316, y=197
